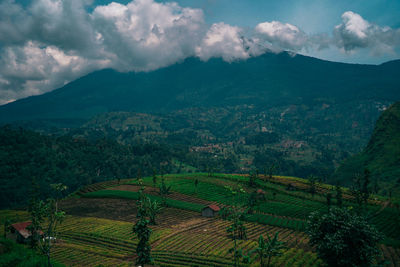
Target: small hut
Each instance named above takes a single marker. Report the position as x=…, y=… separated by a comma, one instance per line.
x=20, y=232
x=210, y=211
x=260, y=194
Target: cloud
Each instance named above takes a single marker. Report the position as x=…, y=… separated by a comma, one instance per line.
x=223, y=40
x=51, y=42
x=355, y=32
x=282, y=35
x=33, y=69
x=146, y=35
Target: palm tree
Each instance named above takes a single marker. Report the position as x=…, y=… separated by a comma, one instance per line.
x=153, y=208
x=268, y=248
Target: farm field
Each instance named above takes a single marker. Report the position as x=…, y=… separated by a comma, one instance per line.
x=98, y=228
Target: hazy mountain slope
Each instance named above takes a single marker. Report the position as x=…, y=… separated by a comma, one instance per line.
x=382, y=154
x=267, y=80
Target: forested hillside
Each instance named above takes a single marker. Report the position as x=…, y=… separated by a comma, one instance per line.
x=27, y=157
x=381, y=156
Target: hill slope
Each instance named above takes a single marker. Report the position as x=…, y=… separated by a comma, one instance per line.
x=267, y=80
x=382, y=154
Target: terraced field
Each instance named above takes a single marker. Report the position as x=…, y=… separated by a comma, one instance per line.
x=98, y=228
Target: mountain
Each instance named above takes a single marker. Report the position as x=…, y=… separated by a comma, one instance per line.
x=382, y=154
x=302, y=114
x=269, y=80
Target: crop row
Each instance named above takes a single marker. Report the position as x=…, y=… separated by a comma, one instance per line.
x=135, y=195
x=75, y=255
x=188, y=259
x=99, y=186
x=97, y=226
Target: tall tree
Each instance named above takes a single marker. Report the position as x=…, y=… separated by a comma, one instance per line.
x=365, y=192
x=312, y=183
x=48, y=212
x=237, y=229
x=343, y=238
x=339, y=195
x=143, y=232
x=164, y=190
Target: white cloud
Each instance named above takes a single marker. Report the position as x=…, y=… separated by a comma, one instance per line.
x=223, y=40
x=282, y=35
x=355, y=32
x=146, y=35
x=51, y=42
x=33, y=69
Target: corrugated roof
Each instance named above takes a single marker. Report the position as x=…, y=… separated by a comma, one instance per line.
x=21, y=228
x=214, y=207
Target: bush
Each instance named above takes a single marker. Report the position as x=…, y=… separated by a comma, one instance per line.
x=13, y=254
x=343, y=238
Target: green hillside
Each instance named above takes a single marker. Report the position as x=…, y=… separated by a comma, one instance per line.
x=98, y=228
x=382, y=154
x=269, y=80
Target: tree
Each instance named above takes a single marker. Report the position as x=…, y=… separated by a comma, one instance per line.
x=271, y=168
x=365, y=186
x=343, y=238
x=164, y=191
x=237, y=228
x=312, y=181
x=143, y=232
x=154, y=178
x=355, y=189
x=36, y=212
x=152, y=208
x=328, y=199
x=339, y=195
x=252, y=201
x=53, y=218
x=143, y=249
x=7, y=224
x=41, y=211
x=268, y=249
x=252, y=179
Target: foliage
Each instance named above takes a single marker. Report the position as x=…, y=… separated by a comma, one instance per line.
x=343, y=238
x=268, y=248
x=74, y=162
x=252, y=201
x=339, y=195
x=18, y=255
x=48, y=212
x=148, y=207
x=164, y=190
x=143, y=249
x=312, y=181
x=381, y=156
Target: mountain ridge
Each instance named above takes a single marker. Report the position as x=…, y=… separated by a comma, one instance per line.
x=270, y=79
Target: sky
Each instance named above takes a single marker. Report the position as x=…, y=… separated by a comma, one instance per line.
x=45, y=44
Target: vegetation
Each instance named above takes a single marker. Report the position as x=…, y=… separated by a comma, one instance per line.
x=72, y=161
x=101, y=230
x=267, y=249
x=343, y=238
x=143, y=232
x=13, y=254
x=380, y=157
